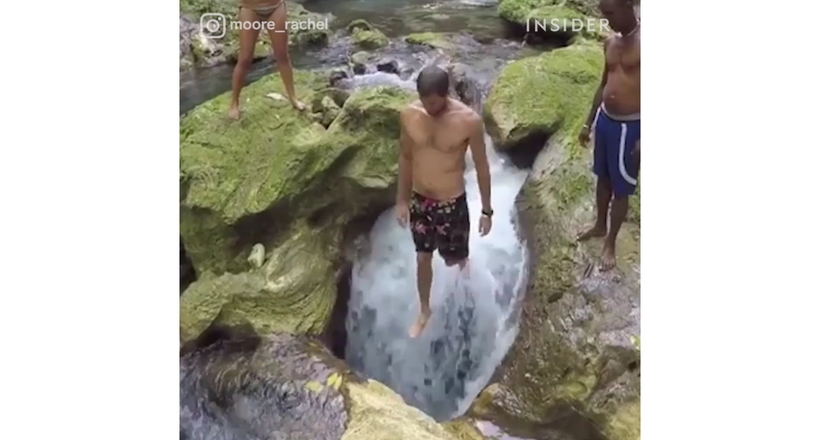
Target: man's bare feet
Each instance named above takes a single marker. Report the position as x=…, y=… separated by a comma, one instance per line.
x=421, y=322
x=233, y=113
x=594, y=231
x=608, y=257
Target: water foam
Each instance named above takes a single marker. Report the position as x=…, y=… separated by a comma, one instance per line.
x=474, y=319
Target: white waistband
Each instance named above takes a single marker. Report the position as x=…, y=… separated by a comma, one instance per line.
x=621, y=118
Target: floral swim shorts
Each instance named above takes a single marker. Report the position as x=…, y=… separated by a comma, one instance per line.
x=442, y=225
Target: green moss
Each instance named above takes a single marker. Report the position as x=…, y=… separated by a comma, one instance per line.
x=548, y=93
x=625, y=424
x=377, y=412
x=245, y=181
x=293, y=292
x=369, y=39
x=196, y=8
x=558, y=17
x=432, y=39
x=463, y=429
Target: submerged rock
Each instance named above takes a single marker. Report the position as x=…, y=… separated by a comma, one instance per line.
x=358, y=62
x=575, y=365
x=290, y=388
x=430, y=39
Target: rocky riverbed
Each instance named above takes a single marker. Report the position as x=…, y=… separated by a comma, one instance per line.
x=277, y=207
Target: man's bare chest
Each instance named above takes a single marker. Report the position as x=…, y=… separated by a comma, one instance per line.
x=624, y=54
x=442, y=137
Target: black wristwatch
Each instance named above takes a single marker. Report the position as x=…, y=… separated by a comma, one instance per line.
x=488, y=213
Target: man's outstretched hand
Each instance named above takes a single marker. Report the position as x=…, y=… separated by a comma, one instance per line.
x=403, y=214
x=583, y=136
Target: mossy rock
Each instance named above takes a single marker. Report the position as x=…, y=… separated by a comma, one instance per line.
x=369, y=40
x=543, y=94
x=558, y=17
x=365, y=35
x=298, y=391
x=575, y=348
x=431, y=39
x=293, y=292
x=246, y=182
x=358, y=62
x=360, y=24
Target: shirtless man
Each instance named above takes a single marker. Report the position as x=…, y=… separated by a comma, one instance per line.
x=275, y=12
x=616, y=113
x=435, y=133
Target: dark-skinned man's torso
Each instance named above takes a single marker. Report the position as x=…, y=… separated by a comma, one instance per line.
x=622, y=92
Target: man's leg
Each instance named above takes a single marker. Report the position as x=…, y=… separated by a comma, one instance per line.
x=421, y=226
x=424, y=280
x=279, y=40
x=620, y=206
x=603, y=189
x=624, y=171
x=603, y=195
x=453, y=233
x=247, y=43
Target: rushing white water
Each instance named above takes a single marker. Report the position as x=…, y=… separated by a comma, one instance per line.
x=474, y=317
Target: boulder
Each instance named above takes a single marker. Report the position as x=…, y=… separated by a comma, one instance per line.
x=365, y=35
x=282, y=386
x=575, y=365
x=358, y=62
x=535, y=97
x=561, y=19
x=248, y=181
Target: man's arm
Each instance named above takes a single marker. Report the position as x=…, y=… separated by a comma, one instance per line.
x=596, y=100
x=405, y=161
x=482, y=167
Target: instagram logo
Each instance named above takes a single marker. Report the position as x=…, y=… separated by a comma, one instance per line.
x=212, y=25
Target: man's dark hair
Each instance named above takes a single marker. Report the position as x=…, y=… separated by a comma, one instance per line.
x=433, y=81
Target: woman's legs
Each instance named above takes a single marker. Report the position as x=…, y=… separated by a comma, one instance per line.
x=279, y=40
x=247, y=43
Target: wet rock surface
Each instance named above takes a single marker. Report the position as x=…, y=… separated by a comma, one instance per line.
x=260, y=388
x=238, y=386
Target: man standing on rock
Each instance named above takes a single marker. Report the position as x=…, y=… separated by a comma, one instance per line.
x=435, y=133
x=616, y=113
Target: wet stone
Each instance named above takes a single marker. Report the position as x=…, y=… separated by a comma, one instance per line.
x=269, y=388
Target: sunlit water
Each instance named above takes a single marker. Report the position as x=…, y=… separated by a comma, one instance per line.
x=474, y=317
